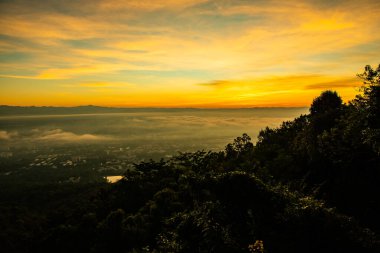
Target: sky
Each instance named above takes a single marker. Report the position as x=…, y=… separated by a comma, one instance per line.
x=184, y=53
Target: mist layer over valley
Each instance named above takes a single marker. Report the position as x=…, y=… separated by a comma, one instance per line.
x=164, y=131
x=88, y=143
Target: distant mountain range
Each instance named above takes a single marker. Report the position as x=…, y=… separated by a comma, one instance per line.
x=6, y=110
x=51, y=110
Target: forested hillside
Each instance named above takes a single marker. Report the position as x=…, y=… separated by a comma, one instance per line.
x=310, y=185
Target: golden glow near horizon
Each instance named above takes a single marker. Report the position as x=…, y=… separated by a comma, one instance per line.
x=184, y=53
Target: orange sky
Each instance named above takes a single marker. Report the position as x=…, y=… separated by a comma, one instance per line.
x=184, y=53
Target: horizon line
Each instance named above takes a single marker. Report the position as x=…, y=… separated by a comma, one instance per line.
x=148, y=107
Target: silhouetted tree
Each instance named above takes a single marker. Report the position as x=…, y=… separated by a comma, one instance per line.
x=326, y=102
x=367, y=106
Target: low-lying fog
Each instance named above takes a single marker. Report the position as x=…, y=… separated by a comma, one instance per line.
x=194, y=129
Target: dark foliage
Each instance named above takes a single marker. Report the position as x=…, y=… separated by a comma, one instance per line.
x=333, y=153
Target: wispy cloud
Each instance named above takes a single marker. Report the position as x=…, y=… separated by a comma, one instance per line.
x=104, y=84
x=335, y=84
x=5, y=135
x=291, y=82
x=60, y=135
x=217, y=83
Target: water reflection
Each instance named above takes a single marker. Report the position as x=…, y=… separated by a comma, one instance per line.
x=113, y=179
